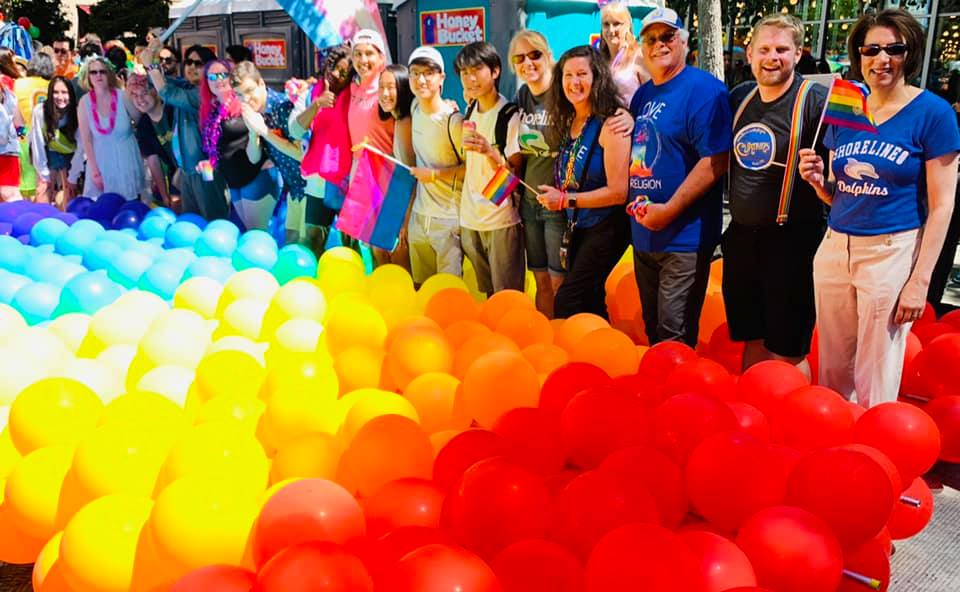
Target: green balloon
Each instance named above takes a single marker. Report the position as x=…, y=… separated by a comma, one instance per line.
x=34, y=31
x=294, y=261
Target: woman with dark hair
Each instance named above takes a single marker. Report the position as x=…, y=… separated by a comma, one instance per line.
x=53, y=141
x=590, y=179
x=892, y=193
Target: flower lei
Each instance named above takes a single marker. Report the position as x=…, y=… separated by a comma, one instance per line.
x=211, y=132
x=104, y=131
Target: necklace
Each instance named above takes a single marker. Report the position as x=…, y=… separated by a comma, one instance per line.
x=96, y=114
x=569, y=177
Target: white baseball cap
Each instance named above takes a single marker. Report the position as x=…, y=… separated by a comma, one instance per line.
x=427, y=52
x=371, y=37
x=667, y=16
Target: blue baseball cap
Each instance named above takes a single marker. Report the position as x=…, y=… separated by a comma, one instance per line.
x=667, y=16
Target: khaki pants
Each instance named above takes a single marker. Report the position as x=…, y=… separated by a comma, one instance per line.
x=857, y=280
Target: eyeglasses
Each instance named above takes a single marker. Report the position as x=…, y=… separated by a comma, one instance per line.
x=168, y=60
x=215, y=76
x=60, y=50
x=891, y=49
x=521, y=57
x=665, y=37
x=428, y=73
x=189, y=62
x=98, y=73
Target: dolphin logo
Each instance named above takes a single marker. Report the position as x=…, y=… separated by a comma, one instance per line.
x=858, y=170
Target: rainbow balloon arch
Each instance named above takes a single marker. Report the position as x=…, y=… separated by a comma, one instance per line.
x=185, y=407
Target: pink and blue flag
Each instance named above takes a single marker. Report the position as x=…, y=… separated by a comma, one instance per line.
x=331, y=22
x=377, y=201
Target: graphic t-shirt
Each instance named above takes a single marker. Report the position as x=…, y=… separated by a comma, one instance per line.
x=676, y=124
x=155, y=138
x=277, y=117
x=881, y=178
x=476, y=211
x=761, y=139
x=538, y=139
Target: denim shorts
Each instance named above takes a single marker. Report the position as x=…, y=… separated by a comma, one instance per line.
x=57, y=161
x=266, y=183
x=542, y=233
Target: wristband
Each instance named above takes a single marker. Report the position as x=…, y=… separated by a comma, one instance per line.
x=21, y=131
x=433, y=175
x=153, y=66
x=563, y=200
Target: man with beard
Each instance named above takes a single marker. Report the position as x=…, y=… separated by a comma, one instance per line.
x=777, y=220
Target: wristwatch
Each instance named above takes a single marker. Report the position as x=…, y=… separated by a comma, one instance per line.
x=572, y=201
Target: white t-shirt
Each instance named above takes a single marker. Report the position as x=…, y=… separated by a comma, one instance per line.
x=434, y=136
x=477, y=212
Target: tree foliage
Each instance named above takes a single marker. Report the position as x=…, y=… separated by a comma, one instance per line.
x=111, y=18
x=46, y=15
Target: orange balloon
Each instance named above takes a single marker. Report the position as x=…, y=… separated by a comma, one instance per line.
x=459, y=332
x=387, y=448
x=627, y=297
x=502, y=302
x=477, y=346
x=359, y=367
x=439, y=439
x=545, y=357
x=608, y=349
x=525, y=327
x=623, y=268
x=413, y=353
x=15, y=546
x=415, y=325
x=309, y=456
x=498, y=382
x=713, y=314
x=576, y=328
x=434, y=395
x=451, y=305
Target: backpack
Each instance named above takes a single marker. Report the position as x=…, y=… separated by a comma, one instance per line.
x=503, y=122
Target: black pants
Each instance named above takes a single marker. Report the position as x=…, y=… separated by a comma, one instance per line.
x=941, y=271
x=593, y=254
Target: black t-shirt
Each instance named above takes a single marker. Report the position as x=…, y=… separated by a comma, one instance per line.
x=761, y=139
x=233, y=164
x=156, y=138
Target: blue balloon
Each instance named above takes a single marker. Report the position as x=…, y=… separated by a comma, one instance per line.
x=147, y=248
x=87, y=293
x=195, y=219
x=9, y=211
x=79, y=206
x=63, y=273
x=127, y=269
x=218, y=268
x=126, y=219
x=181, y=234
x=10, y=284
x=216, y=242
x=162, y=279
x=36, y=301
x=40, y=265
x=47, y=231
x=258, y=236
x=221, y=225
x=45, y=210
x=75, y=241
x=24, y=238
x=178, y=257
x=154, y=227
x=294, y=261
x=12, y=254
x=106, y=206
x=88, y=226
x=100, y=254
x=24, y=223
x=137, y=206
x=122, y=239
x=163, y=213
x=68, y=219
x=129, y=232
x=255, y=254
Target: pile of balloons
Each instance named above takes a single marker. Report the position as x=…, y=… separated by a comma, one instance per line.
x=333, y=429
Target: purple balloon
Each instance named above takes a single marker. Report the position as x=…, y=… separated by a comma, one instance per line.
x=24, y=238
x=106, y=206
x=80, y=206
x=10, y=210
x=68, y=219
x=6, y=228
x=24, y=222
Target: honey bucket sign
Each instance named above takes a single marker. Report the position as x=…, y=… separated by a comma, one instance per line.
x=268, y=54
x=445, y=28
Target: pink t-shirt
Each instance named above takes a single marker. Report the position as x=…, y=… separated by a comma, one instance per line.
x=364, y=118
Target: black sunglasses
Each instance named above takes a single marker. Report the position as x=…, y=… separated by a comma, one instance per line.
x=59, y=50
x=665, y=37
x=891, y=49
x=189, y=62
x=521, y=57
x=169, y=60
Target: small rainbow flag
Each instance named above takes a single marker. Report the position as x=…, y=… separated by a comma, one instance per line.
x=501, y=185
x=847, y=107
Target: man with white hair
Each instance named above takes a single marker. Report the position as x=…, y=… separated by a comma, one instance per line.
x=681, y=143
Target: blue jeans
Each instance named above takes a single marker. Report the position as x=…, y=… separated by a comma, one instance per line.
x=542, y=232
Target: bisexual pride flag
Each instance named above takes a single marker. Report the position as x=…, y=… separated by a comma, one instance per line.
x=377, y=201
x=847, y=107
x=331, y=22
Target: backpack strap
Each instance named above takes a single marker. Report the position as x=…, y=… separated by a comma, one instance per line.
x=450, y=139
x=503, y=123
x=793, y=151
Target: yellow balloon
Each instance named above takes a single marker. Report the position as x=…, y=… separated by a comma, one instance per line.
x=218, y=451
x=255, y=283
x=32, y=494
x=118, y=358
x=340, y=255
x=434, y=284
x=229, y=373
x=171, y=341
x=299, y=299
x=366, y=404
x=125, y=321
x=292, y=413
x=171, y=382
x=45, y=561
x=100, y=543
x=199, y=294
x=359, y=367
x=243, y=344
x=9, y=457
x=299, y=371
x=98, y=376
x=148, y=411
x=245, y=413
x=242, y=317
x=197, y=522
x=310, y=456
x=71, y=329
x=53, y=411
x=297, y=336
x=353, y=323
x=19, y=369
x=341, y=278
x=11, y=323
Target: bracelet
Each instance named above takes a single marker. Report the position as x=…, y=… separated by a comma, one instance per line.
x=433, y=175
x=563, y=199
x=153, y=66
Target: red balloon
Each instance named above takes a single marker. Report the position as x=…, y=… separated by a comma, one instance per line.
x=556, y=482
x=533, y=437
x=832, y=483
x=314, y=566
x=303, y=511
x=724, y=350
x=749, y=589
x=222, y=578
x=720, y=562
x=792, y=550
x=812, y=417
x=439, y=568
x=496, y=503
x=599, y=421
x=953, y=318
x=568, y=380
x=929, y=315
x=640, y=385
x=751, y=420
x=662, y=477
x=912, y=511
x=870, y=560
x=463, y=451
x=644, y=557
x=856, y=410
x=927, y=332
x=595, y=503
x=24, y=22
x=904, y=433
x=378, y=555
x=764, y=384
x=703, y=377
x=404, y=502
x=663, y=357
x=945, y=412
x=882, y=459
x=938, y=367
x=683, y=421
x=535, y=565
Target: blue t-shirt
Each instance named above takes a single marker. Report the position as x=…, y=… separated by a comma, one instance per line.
x=678, y=123
x=881, y=178
x=276, y=115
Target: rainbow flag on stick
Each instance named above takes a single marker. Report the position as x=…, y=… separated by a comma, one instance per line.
x=377, y=200
x=847, y=107
x=501, y=185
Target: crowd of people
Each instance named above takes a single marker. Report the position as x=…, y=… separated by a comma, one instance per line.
x=617, y=146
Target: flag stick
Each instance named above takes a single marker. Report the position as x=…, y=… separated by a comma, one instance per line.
x=823, y=113
x=364, y=146
x=173, y=27
x=872, y=583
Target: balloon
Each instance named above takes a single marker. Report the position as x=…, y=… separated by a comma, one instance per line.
x=221, y=452
x=79, y=206
x=663, y=357
x=24, y=223
x=126, y=218
x=463, y=451
x=545, y=358
x=181, y=234
x=171, y=382
x=299, y=299
x=16, y=546
x=439, y=567
x=596, y=502
x=535, y=565
x=100, y=254
x=496, y=383
x=36, y=301
x=394, y=438
x=450, y=305
x=112, y=522
x=476, y=346
x=572, y=330
x=33, y=488
x=502, y=302
x=812, y=417
x=218, y=268
x=43, y=575
x=254, y=253
x=87, y=293
x=497, y=503
x=608, y=349
x=413, y=353
x=294, y=261
x=526, y=327
x=662, y=477
x=700, y=376
x=241, y=413
x=764, y=384
x=303, y=511
x=229, y=372
x=199, y=294
x=314, y=566
x=128, y=267
x=309, y=456
x=945, y=412
x=870, y=559
x=404, y=502
x=683, y=421
x=909, y=518
x=534, y=438
x=162, y=279
x=641, y=557
x=904, y=433
x=791, y=550
x=751, y=420
x=599, y=421
x=354, y=323
x=153, y=227
x=433, y=395
x=52, y=411
x=47, y=231
x=720, y=562
x=222, y=578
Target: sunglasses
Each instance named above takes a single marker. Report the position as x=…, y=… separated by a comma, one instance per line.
x=665, y=37
x=891, y=49
x=197, y=63
x=215, y=76
x=60, y=50
x=169, y=60
x=521, y=57
x=98, y=72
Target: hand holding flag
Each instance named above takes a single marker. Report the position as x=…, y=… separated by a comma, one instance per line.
x=846, y=106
